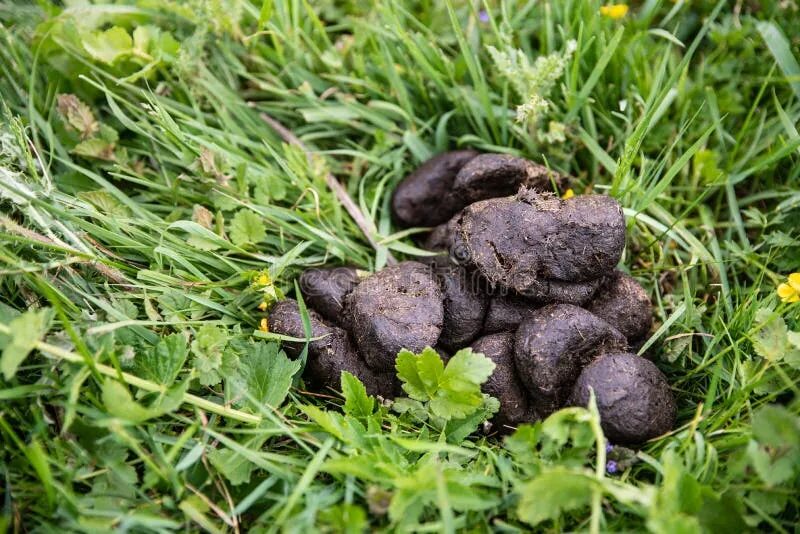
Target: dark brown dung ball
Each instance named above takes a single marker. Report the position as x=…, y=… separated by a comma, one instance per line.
x=424, y=197
x=504, y=384
x=328, y=356
x=325, y=290
x=506, y=312
x=397, y=308
x=443, y=235
x=633, y=398
x=538, y=244
x=553, y=345
x=464, y=303
x=499, y=175
x=623, y=303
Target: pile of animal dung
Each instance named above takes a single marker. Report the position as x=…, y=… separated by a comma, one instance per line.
x=524, y=277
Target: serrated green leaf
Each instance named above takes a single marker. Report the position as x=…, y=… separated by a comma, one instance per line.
x=163, y=362
x=459, y=391
x=108, y=46
x=551, y=493
x=265, y=376
x=247, y=228
x=26, y=330
x=406, y=365
x=467, y=369
x=356, y=401
x=453, y=391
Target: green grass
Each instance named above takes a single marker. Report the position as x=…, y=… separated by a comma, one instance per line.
x=687, y=112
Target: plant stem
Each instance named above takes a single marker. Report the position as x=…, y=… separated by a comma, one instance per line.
x=141, y=383
x=366, y=227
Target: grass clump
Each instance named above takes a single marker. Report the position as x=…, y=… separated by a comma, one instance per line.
x=147, y=209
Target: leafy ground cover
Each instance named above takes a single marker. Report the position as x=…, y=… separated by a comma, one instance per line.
x=150, y=212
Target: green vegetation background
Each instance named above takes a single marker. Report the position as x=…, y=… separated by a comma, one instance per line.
x=147, y=209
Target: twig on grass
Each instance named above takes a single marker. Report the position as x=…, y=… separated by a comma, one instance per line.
x=366, y=227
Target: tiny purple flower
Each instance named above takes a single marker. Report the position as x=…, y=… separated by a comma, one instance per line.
x=609, y=447
x=483, y=16
x=611, y=467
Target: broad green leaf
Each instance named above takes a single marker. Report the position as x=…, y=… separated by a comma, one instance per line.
x=453, y=391
x=26, y=330
x=164, y=361
x=356, y=401
x=776, y=427
x=772, y=340
x=772, y=468
x=7, y=314
x=108, y=46
x=209, y=353
x=467, y=368
x=234, y=466
x=95, y=148
x=551, y=493
x=120, y=403
x=344, y=518
x=247, y=228
x=105, y=203
x=167, y=48
x=265, y=376
x=406, y=365
x=142, y=36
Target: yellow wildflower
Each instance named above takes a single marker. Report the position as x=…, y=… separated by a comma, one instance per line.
x=614, y=11
x=262, y=280
x=264, y=325
x=569, y=193
x=263, y=306
x=790, y=291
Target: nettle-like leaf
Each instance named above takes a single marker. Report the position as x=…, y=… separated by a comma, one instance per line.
x=247, y=228
x=26, y=330
x=264, y=377
x=162, y=362
x=773, y=340
x=453, y=391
